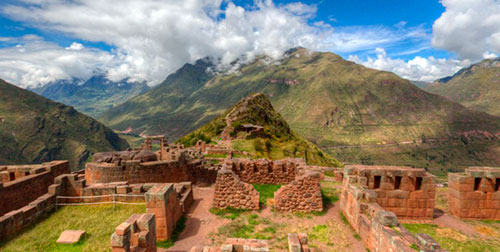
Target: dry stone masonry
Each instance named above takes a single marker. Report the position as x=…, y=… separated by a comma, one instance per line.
x=408, y=192
x=230, y=192
x=378, y=228
x=137, y=234
x=301, y=195
x=475, y=194
x=264, y=171
x=177, y=165
x=236, y=245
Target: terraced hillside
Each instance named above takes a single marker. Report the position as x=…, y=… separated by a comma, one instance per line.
x=253, y=126
x=34, y=129
x=334, y=103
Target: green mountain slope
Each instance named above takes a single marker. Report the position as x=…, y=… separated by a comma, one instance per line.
x=92, y=96
x=336, y=104
x=476, y=87
x=34, y=129
x=274, y=140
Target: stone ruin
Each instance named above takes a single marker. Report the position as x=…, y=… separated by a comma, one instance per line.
x=175, y=165
x=301, y=192
x=230, y=192
x=407, y=192
x=365, y=187
x=137, y=234
x=301, y=195
x=298, y=243
x=236, y=245
x=475, y=193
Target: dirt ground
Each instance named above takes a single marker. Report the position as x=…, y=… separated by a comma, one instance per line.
x=206, y=229
x=200, y=222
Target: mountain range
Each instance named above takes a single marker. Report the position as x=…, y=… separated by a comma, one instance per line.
x=92, y=96
x=356, y=113
x=34, y=129
x=476, y=86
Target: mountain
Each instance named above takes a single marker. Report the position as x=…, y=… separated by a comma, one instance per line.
x=359, y=115
x=34, y=129
x=253, y=126
x=92, y=96
x=420, y=84
x=476, y=87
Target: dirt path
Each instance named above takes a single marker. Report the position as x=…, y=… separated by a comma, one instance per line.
x=200, y=223
x=452, y=222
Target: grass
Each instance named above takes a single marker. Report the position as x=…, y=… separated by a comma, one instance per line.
x=452, y=240
x=99, y=223
x=266, y=192
x=181, y=224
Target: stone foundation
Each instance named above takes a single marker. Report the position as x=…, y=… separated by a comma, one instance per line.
x=137, y=234
x=475, y=194
x=301, y=195
x=236, y=245
x=230, y=192
x=379, y=229
x=407, y=192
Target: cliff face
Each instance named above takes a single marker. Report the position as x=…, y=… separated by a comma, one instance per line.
x=34, y=129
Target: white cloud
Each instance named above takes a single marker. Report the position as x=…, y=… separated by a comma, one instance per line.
x=37, y=62
x=361, y=38
x=75, y=46
x=153, y=38
x=419, y=68
x=470, y=28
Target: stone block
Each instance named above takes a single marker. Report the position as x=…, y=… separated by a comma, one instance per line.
x=70, y=236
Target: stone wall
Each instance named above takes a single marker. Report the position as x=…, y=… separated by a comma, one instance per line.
x=301, y=195
x=408, y=192
x=28, y=187
x=298, y=243
x=264, y=171
x=236, y=245
x=133, y=171
x=475, y=194
x=379, y=229
x=231, y=192
x=136, y=234
x=15, y=221
x=162, y=201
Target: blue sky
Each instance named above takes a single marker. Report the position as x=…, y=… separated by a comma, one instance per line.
x=47, y=40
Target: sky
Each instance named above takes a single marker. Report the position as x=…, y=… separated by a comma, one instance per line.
x=42, y=41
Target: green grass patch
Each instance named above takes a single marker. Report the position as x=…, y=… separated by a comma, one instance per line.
x=452, y=240
x=249, y=226
x=228, y=213
x=266, y=192
x=99, y=222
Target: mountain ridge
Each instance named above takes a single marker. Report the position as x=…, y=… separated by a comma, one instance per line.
x=327, y=100
x=35, y=129
x=92, y=96
x=476, y=86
